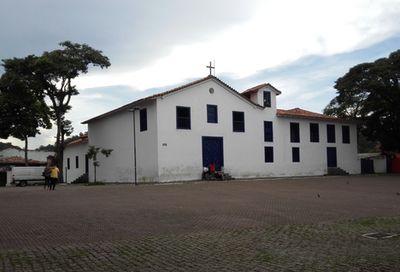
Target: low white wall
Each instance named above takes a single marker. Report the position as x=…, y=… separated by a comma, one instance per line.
x=380, y=164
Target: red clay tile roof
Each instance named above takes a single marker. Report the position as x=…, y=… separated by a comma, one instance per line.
x=256, y=88
x=300, y=113
x=83, y=138
x=131, y=105
x=16, y=160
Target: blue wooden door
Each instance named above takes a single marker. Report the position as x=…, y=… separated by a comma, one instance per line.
x=213, y=151
x=331, y=156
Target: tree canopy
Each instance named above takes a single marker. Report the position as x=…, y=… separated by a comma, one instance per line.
x=22, y=108
x=371, y=92
x=51, y=75
x=8, y=145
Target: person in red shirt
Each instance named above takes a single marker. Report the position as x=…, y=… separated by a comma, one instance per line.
x=212, y=167
x=213, y=172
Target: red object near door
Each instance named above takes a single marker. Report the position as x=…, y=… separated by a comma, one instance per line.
x=396, y=165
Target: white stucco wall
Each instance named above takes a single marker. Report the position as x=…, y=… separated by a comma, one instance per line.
x=113, y=132
x=146, y=145
x=380, y=164
x=312, y=155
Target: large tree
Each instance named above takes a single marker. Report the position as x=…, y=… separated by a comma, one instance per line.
x=56, y=70
x=52, y=75
x=22, y=107
x=371, y=92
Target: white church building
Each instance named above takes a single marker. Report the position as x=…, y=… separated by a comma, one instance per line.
x=170, y=136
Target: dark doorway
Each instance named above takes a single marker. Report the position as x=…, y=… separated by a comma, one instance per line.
x=213, y=151
x=3, y=179
x=86, y=164
x=331, y=156
x=367, y=166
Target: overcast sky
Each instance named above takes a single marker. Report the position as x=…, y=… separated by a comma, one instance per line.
x=299, y=47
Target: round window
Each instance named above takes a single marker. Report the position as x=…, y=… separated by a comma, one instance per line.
x=211, y=90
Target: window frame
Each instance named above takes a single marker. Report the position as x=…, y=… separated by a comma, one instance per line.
x=294, y=133
x=238, y=125
x=183, y=122
x=212, y=114
x=77, y=162
x=330, y=133
x=268, y=131
x=314, y=133
x=295, y=154
x=143, y=119
x=267, y=99
x=346, y=134
x=268, y=154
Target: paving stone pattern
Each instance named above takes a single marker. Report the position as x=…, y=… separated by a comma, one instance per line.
x=257, y=225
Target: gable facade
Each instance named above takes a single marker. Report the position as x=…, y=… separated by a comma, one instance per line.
x=171, y=136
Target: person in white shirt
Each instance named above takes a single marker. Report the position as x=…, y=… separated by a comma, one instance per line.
x=205, y=171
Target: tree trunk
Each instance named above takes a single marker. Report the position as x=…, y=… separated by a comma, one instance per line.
x=62, y=152
x=26, y=151
x=59, y=149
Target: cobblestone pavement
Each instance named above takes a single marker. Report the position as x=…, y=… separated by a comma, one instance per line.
x=306, y=224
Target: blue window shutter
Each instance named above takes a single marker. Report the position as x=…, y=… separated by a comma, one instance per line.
x=212, y=114
x=268, y=132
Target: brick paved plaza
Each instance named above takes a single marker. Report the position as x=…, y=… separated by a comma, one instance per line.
x=256, y=225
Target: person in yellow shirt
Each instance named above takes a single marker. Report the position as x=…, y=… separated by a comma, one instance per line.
x=54, y=171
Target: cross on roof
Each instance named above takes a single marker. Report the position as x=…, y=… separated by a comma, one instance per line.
x=211, y=67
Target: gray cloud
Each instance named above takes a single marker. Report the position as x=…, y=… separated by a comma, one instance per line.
x=131, y=33
x=253, y=41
